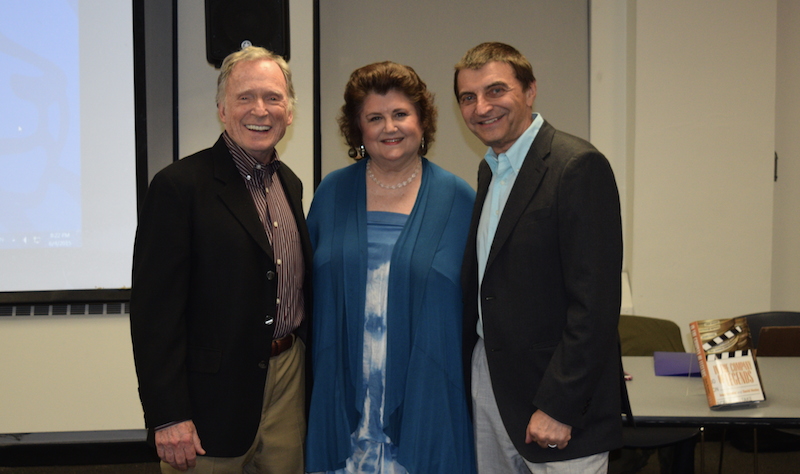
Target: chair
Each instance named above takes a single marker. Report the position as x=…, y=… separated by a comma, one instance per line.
x=774, y=334
x=779, y=341
x=642, y=336
x=756, y=321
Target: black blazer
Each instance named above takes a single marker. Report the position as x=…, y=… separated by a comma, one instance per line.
x=550, y=296
x=204, y=285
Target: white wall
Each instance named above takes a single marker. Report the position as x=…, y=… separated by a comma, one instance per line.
x=786, y=237
x=65, y=373
x=199, y=126
x=690, y=89
x=611, y=98
x=703, y=154
x=431, y=37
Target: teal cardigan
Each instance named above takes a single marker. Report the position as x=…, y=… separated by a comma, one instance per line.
x=426, y=414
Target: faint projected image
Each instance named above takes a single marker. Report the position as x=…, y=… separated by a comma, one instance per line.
x=40, y=164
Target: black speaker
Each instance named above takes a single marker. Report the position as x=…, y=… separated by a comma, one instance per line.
x=233, y=24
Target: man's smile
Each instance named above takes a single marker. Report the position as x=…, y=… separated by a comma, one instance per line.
x=259, y=128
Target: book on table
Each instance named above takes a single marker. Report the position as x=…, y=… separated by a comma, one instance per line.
x=727, y=362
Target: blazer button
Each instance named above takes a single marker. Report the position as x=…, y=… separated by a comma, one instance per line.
x=269, y=321
x=270, y=275
x=262, y=365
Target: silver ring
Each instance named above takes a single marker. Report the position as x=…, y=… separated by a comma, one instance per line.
x=552, y=445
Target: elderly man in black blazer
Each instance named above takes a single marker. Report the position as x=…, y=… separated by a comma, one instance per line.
x=221, y=280
x=541, y=281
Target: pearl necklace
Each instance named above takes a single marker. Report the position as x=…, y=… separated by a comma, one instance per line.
x=394, y=186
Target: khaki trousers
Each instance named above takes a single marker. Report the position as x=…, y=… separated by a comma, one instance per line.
x=278, y=447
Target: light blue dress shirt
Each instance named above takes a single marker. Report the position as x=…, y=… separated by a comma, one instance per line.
x=505, y=169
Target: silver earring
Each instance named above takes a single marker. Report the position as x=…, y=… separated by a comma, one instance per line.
x=362, y=151
x=422, y=145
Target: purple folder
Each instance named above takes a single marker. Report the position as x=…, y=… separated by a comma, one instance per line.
x=676, y=363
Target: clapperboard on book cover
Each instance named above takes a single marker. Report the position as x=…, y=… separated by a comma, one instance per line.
x=727, y=363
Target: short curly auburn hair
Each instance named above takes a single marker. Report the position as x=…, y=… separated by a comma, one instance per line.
x=381, y=78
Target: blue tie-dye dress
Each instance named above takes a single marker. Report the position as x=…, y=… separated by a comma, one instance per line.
x=373, y=451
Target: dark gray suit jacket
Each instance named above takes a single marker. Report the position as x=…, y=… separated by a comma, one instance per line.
x=204, y=284
x=550, y=296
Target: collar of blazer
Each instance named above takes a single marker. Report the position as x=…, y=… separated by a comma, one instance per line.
x=236, y=197
x=525, y=187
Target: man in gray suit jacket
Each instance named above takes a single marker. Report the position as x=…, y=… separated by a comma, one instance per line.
x=221, y=280
x=541, y=280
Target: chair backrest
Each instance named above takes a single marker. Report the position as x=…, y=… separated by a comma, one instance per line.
x=642, y=336
x=779, y=341
x=756, y=321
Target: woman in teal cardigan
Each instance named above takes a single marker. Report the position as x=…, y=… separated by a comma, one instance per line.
x=389, y=233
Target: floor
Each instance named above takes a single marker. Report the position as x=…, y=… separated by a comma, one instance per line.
x=778, y=454
x=138, y=459
x=91, y=458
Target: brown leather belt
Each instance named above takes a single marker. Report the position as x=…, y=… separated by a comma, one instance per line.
x=281, y=345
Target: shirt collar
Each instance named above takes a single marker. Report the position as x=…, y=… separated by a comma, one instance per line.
x=245, y=162
x=519, y=150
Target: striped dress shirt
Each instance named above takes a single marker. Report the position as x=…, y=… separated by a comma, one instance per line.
x=281, y=229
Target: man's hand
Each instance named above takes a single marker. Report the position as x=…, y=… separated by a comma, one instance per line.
x=546, y=431
x=178, y=445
